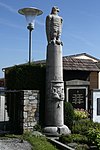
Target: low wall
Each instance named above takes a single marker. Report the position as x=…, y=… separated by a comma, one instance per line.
x=30, y=109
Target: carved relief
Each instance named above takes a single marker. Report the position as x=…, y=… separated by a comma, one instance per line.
x=57, y=90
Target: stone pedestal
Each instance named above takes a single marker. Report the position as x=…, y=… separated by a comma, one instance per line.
x=54, y=115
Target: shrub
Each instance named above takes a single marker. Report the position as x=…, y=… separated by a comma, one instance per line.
x=82, y=126
x=71, y=138
x=82, y=147
x=85, y=133
x=79, y=138
x=37, y=127
x=94, y=136
x=65, y=139
x=80, y=114
x=98, y=140
x=96, y=125
x=68, y=114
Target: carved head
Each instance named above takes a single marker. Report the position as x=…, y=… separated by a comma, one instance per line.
x=55, y=10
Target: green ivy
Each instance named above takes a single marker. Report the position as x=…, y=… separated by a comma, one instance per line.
x=28, y=77
x=25, y=77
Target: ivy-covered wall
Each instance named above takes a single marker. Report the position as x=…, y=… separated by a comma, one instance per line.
x=28, y=77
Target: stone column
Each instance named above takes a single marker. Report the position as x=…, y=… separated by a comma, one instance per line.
x=54, y=86
x=54, y=115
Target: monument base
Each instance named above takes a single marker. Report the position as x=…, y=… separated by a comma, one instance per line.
x=56, y=131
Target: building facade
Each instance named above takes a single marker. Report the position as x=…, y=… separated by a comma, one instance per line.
x=81, y=74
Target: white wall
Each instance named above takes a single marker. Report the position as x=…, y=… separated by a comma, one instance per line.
x=96, y=95
x=3, y=112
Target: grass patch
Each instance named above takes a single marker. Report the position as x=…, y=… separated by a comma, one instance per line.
x=37, y=142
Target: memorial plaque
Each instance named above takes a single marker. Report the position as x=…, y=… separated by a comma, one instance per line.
x=77, y=97
x=98, y=106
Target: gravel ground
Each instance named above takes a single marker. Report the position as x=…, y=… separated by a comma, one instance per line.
x=14, y=144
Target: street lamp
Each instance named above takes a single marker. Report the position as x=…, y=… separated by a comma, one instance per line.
x=30, y=14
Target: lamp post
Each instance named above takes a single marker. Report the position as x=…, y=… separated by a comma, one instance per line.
x=30, y=14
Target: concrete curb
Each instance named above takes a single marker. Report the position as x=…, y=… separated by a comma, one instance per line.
x=59, y=144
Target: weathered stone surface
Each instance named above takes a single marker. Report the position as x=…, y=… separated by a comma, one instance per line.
x=31, y=109
x=64, y=130
x=54, y=86
x=54, y=26
x=50, y=130
x=54, y=115
x=25, y=115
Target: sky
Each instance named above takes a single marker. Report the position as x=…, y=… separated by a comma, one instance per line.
x=80, y=32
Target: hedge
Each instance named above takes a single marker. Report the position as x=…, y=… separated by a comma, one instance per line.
x=28, y=77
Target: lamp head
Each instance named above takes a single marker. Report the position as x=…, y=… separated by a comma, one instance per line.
x=30, y=14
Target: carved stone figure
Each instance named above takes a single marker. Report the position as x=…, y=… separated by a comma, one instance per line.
x=54, y=26
x=57, y=91
x=54, y=101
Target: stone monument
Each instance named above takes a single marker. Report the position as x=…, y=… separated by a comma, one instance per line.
x=54, y=115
